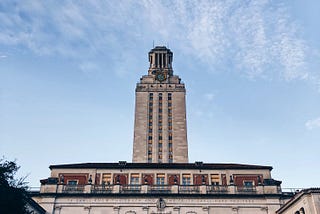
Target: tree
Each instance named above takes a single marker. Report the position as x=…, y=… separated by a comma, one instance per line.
x=13, y=192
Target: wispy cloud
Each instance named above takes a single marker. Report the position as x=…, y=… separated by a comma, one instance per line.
x=257, y=38
x=209, y=96
x=88, y=67
x=313, y=123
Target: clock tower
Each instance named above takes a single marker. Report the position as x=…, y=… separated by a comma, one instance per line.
x=160, y=131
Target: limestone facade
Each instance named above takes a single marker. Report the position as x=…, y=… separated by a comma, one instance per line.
x=303, y=202
x=160, y=188
x=160, y=127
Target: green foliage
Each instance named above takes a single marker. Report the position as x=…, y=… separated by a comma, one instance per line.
x=13, y=192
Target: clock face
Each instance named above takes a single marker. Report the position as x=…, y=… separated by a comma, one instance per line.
x=161, y=76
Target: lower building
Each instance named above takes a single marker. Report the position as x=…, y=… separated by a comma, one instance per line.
x=124, y=188
x=303, y=202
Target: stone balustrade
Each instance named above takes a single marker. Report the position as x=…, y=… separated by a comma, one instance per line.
x=157, y=189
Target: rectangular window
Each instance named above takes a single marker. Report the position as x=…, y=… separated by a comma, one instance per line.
x=72, y=182
x=160, y=179
x=134, y=179
x=106, y=178
x=215, y=179
x=248, y=183
x=186, y=179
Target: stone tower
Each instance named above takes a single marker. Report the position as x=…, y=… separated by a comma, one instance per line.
x=160, y=131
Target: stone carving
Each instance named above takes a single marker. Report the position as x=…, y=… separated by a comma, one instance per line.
x=161, y=204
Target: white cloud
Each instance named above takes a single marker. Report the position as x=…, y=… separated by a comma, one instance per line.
x=257, y=38
x=209, y=96
x=312, y=124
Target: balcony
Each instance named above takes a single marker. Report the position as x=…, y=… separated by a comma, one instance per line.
x=246, y=189
x=73, y=189
x=215, y=189
x=159, y=189
x=130, y=189
x=101, y=189
x=189, y=189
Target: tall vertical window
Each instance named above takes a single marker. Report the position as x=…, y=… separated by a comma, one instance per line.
x=106, y=178
x=134, y=180
x=160, y=179
x=160, y=129
x=170, y=157
x=186, y=179
x=150, y=120
x=215, y=179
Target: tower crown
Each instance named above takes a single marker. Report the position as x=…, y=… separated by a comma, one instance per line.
x=160, y=59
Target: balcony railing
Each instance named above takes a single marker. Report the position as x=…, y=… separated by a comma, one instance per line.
x=101, y=189
x=189, y=189
x=246, y=189
x=159, y=189
x=73, y=189
x=130, y=189
x=215, y=189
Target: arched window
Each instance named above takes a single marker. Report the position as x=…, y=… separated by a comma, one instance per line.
x=302, y=210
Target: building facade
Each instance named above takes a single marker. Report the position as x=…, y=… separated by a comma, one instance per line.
x=160, y=179
x=303, y=202
x=160, y=188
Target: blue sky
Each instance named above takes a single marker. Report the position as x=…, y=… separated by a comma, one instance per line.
x=68, y=71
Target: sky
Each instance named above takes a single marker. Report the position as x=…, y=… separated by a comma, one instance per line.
x=68, y=71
